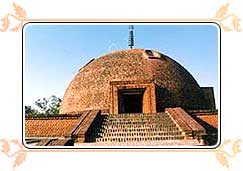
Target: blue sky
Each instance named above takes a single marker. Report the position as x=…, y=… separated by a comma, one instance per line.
x=54, y=53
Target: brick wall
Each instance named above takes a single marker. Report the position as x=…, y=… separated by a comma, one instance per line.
x=210, y=119
x=48, y=127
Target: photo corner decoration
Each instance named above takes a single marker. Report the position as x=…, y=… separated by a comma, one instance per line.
x=228, y=21
x=13, y=21
x=225, y=156
x=12, y=154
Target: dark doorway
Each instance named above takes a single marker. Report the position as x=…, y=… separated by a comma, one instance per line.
x=131, y=101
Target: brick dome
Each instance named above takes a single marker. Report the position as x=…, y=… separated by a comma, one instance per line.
x=93, y=86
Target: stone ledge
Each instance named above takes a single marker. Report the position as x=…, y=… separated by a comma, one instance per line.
x=55, y=117
x=80, y=129
x=188, y=125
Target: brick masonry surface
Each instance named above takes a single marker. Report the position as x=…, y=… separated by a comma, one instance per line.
x=48, y=127
x=91, y=89
x=210, y=119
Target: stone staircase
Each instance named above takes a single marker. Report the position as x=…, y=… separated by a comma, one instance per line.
x=125, y=128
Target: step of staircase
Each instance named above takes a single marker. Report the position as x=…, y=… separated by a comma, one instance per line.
x=139, y=138
x=124, y=128
x=140, y=133
x=157, y=143
x=146, y=129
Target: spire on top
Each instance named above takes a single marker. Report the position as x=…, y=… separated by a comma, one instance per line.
x=130, y=36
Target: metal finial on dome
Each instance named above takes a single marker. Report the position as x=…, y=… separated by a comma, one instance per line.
x=130, y=36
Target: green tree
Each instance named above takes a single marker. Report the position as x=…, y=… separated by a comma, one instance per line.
x=30, y=111
x=47, y=107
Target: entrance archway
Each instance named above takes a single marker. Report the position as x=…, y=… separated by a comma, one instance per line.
x=130, y=100
x=133, y=97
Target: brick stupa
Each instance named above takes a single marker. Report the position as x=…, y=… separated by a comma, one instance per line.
x=130, y=97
